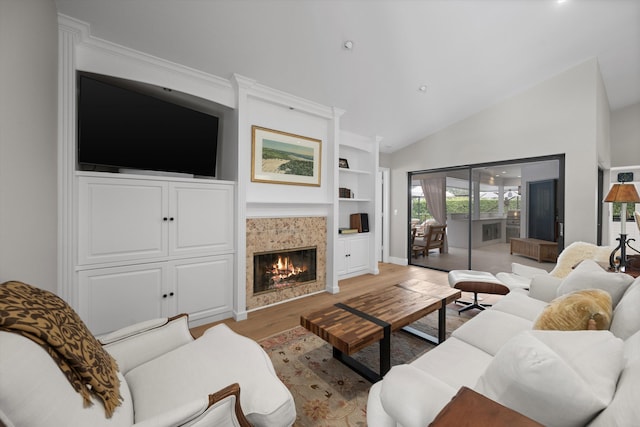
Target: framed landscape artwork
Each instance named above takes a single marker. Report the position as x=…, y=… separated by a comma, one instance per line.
x=284, y=158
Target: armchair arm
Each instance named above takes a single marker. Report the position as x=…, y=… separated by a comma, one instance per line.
x=232, y=390
x=219, y=408
x=139, y=343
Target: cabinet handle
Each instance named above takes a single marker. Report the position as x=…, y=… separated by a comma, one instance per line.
x=164, y=295
x=171, y=294
x=165, y=219
x=171, y=219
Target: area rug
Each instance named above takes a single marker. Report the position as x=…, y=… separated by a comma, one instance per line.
x=326, y=392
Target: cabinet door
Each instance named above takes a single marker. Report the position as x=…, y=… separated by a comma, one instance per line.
x=358, y=254
x=112, y=298
x=203, y=287
x=341, y=256
x=202, y=218
x=121, y=220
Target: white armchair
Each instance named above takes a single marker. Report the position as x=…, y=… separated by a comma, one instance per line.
x=167, y=379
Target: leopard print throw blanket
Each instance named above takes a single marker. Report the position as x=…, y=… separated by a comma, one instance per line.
x=49, y=321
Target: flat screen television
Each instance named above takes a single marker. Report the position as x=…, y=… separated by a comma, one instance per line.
x=119, y=127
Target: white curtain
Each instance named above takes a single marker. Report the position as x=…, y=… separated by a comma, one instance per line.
x=434, y=190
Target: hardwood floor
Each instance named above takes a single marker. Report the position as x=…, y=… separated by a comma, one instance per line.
x=275, y=319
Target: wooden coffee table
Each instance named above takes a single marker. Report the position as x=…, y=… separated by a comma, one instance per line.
x=358, y=322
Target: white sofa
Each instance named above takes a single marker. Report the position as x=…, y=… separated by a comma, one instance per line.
x=166, y=379
x=558, y=378
x=521, y=275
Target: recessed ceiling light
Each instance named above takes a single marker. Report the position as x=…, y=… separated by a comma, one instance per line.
x=348, y=45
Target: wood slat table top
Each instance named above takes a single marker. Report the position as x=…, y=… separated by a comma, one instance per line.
x=345, y=331
x=399, y=305
x=438, y=291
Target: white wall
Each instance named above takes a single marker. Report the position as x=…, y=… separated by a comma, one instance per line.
x=555, y=117
x=625, y=136
x=28, y=142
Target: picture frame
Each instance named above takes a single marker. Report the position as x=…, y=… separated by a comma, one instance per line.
x=285, y=158
x=343, y=163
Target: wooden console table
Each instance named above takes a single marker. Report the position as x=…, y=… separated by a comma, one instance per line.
x=471, y=409
x=540, y=250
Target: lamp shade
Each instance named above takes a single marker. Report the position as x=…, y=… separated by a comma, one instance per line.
x=624, y=193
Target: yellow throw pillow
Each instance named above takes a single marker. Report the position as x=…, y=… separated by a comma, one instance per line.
x=579, y=310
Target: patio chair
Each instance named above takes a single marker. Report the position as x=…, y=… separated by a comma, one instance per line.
x=433, y=239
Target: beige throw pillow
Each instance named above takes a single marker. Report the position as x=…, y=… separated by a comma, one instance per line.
x=579, y=310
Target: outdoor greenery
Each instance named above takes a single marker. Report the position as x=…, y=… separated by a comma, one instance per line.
x=617, y=207
x=458, y=205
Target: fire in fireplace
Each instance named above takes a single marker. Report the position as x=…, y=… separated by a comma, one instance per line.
x=280, y=269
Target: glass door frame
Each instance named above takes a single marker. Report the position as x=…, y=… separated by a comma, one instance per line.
x=560, y=158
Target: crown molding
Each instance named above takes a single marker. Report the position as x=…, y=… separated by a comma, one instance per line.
x=101, y=56
x=280, y=98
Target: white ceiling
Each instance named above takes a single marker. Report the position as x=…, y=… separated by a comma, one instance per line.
x=470, y=53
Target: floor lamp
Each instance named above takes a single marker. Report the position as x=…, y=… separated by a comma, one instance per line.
x=623, y=193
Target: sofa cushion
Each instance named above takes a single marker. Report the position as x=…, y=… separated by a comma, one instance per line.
x=555, y=377
x=194, y=371
x=521, y=305
x=544, y=287
x=470, y=363
x=623, y=409
x=579, y=310
x=626, y=315
x=490, y=329
x=590, y=275
x=632, y=348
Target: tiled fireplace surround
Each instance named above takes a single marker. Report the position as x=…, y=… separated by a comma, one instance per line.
x=275, y=234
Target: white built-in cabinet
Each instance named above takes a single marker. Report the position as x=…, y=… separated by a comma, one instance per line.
x=352, y=255
x=153, y=247
x=355, y=253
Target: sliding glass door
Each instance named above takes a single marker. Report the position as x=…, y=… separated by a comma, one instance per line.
x=439, y=198
x=483, y=207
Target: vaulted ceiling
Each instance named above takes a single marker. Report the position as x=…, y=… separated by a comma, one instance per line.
x=468, y=54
